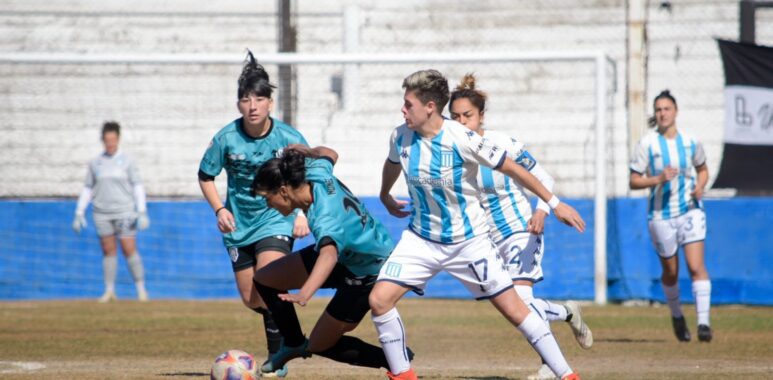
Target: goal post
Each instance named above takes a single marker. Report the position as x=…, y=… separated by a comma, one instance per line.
x=601, y=62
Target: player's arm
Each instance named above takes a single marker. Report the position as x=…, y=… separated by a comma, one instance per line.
x=639, y=181
x=225, y=220
x=316, y=152
x=703, y=179
x=328, y=257
x=565, y=213
x=536, y=224
x=79, y=221
x=389, y=175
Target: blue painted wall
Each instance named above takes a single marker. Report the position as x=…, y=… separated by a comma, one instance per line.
x=41, y=258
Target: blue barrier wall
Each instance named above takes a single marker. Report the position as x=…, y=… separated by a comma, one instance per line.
x=41, y=258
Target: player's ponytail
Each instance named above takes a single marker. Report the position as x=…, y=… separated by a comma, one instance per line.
x=466, y=89
x=254, y=79
x=287, y=170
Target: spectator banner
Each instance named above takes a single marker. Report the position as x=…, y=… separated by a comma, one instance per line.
x=747, y=160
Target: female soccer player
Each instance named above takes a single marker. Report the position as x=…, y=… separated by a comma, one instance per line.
x=350, y=249
x=448, y=230
x=113, y=183
x=516, y=232
x=254, y=234
x=666, y=161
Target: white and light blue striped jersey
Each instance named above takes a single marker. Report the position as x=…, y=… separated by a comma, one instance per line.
x=654, y=153
x=441, y=175
x=508, y=209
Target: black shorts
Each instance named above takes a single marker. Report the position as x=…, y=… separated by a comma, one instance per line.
x=246, y=257
x=350, y=302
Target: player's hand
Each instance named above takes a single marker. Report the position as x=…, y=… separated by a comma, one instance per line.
x=697, y=194
x=569, y=216
x=225, y=221
x=143, y=222
x=668, y=174
x=301, y=226
x=294, y=298
x=536, y=224
x=79, y=223
x=395, y=207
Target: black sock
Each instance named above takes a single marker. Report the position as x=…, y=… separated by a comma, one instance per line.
x=283, y=315
x=273, y=337
x=351, y=350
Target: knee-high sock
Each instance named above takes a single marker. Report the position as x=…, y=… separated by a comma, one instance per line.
x=527, y=295
x=283, y=314
x=538, y=335
x=391, y=334
x=109, y=269
x=701, y=290
x=672, y=297
x=135, y=267
x=351, y=350
x=273, y=336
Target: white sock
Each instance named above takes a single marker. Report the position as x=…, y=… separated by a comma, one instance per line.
x=527, y=295
x=538, y=335
x=109, y=269
x=701, y=291
x=391, y=334
x=553, y=311
x=672, y=297
x=135, y=267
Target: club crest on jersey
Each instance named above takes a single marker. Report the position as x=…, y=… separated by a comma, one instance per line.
x=234, y=253
x=393, y=269
x=446, y=158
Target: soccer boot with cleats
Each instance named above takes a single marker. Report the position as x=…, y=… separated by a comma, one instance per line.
x=107, y=296
x=704, y=333
x=581, y=330
x=277, y=361
x=680, y=329
x=407, y=375
x=571, y=376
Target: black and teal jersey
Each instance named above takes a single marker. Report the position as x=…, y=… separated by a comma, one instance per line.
x=241, y=156
x=336, y=215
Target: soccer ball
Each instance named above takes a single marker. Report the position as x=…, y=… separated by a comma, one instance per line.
x=234, y=365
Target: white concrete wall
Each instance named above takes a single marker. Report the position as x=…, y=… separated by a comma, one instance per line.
x=50, y=114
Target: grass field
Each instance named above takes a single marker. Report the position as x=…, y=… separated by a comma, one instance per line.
x=453, y=339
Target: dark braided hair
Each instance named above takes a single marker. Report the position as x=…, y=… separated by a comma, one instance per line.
x=254, y=79
x=287, y=170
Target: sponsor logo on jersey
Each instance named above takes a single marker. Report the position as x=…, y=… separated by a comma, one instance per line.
x=434, y=182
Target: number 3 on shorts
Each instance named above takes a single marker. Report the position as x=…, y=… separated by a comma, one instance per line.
x=473, y=267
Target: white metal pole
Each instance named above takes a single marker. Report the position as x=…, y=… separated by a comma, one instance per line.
x=600, y=202
x=351, y=80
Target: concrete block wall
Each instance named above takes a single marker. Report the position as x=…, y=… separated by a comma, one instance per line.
x=51, y=113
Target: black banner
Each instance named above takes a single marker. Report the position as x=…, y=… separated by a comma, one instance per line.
x=747, y=160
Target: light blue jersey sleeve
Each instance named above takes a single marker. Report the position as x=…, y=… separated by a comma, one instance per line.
x=212, y=162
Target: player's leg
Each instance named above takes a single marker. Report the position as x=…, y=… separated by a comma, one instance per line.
x=477, y=264
x=109, y=266
x=410, y=266
x=127, y=231
x=691, y=235
x=664, y=237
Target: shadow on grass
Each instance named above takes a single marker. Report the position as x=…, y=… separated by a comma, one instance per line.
x=629, y=340
x=185, y=374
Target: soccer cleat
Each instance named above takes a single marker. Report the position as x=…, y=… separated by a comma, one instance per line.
x=581, y=331
x=107, y=297
x=680, y=329
x=571, y=376
x=543, y=373
x=142, y=295
x=276, y=363
x=704, y=333
x=282, y=372
x=407, y=375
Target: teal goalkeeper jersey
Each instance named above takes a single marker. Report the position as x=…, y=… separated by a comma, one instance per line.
x=363, y=243
x=241, y=156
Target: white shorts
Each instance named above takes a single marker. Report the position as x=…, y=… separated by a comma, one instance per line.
x=522, y=253
x=123, y=226
x=474, y=262
x=669, y=234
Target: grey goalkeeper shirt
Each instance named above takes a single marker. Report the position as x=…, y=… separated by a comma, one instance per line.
x=112, y=180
